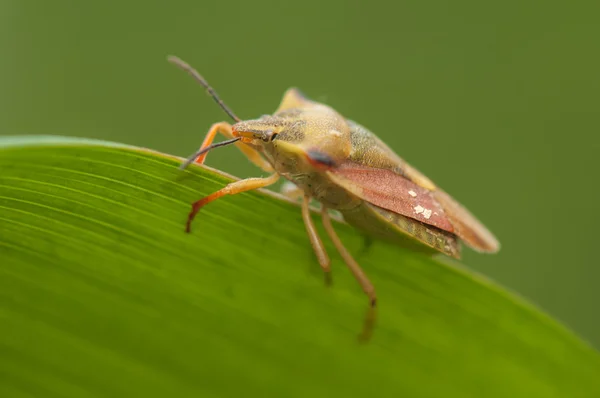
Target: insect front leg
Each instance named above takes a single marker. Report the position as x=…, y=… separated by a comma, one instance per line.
x=230, y=189
x=358, y=273
x=315, y=240
x=226, y=129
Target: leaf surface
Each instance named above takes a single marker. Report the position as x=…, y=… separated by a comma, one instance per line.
x=103, y=294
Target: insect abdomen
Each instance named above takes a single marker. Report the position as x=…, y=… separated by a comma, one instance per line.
x=402, y=230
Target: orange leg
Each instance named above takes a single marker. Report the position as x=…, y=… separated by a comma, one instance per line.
x=358, y=273
x=230, y=189
x=225, y=129
x=315, y=240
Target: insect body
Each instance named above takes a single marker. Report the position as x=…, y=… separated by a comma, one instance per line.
x=347, y=168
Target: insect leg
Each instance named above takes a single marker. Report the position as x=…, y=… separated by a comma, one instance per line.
x=358, y=273
x=225, y=129
x=230, y=189
x=291, y=191
x=315, y=240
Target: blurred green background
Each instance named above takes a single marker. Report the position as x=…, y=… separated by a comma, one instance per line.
x=495, y=101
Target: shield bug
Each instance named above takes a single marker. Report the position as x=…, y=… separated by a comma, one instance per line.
x=346, y=168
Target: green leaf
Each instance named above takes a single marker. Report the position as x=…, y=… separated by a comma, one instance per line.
x=103, y=294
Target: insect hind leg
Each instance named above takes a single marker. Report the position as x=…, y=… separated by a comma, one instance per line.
x=358, y=273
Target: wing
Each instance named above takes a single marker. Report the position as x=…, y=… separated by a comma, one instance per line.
x=404, y=231
x=466, y=226
x=391, y=191
x=374, y=173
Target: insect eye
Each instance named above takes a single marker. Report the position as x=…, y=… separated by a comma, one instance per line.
x=268, y=136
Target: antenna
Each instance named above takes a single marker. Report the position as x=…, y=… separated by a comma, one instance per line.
x=201, y=151
x=211, y=91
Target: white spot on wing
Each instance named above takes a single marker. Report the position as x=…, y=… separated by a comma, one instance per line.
x=421, y=210
x=412, y=193
x=427, y=213
x=335, y=132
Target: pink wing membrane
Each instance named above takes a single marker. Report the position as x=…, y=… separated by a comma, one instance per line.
x=385, y=188
x=391, y=191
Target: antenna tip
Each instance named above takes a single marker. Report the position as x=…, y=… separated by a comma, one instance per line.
x=175, y=60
